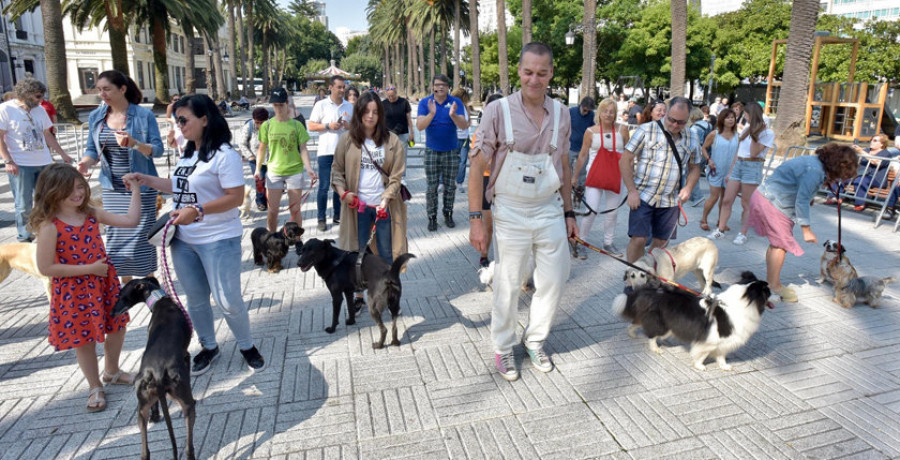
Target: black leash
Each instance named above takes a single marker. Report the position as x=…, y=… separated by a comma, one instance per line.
x=578, y=193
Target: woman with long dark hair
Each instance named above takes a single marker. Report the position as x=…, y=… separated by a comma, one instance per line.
x=367, y=193
x=719, y=149
x=208, y=187
x=124, y=138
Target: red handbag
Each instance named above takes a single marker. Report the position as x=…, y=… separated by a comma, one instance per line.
x=604, y=173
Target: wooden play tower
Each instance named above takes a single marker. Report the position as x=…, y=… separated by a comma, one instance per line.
x=844, y=111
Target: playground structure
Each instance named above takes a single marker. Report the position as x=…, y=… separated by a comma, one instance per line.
x=846, y=111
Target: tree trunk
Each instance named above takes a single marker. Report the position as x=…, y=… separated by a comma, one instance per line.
x=398, y=69
x=526, y=21
x=589, y=49
x=388, y=76
x=115, y=20
x=220, y=68
x=791, y=114
x=421, y=82
x=55, y=53
x=242, y=50
x=456, y=34
x=264, y=63
x=501, y=47
x=160, y=67
x=476, y=51
x=251, y=88
x=679, y=50
x=443, y=48
x=410, y=62
x=428, y=83
x=189, y=83
x=230, y=49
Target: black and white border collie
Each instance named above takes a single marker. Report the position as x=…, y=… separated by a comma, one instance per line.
x=712, y=325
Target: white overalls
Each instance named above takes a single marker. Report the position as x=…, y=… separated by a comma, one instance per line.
x=528, y=222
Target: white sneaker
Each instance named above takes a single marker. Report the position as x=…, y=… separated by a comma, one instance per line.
x=716, y=235
x=740, y=239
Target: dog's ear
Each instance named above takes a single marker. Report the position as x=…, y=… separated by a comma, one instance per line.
x=329, y=242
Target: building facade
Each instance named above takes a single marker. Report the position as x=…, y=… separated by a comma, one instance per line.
x=22, y=48
x=885, y=10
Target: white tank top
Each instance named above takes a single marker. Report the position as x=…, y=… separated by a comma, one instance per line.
x=606, y=140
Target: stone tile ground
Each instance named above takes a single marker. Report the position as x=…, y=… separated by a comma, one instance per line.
x=816, y=381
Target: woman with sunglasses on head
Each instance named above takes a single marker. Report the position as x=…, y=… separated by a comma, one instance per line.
x=754, y=143
x=123, y=139
x=207, y=187
x=368, y=195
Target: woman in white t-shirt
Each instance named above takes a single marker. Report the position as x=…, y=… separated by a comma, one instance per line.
x=369, y=196
x=208, y=186
x=756, y=140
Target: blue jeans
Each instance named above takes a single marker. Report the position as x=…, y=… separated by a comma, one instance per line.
x=213, y=268
x=463, y=146
x=22, y=186
x=382, y=233
x=325, y=186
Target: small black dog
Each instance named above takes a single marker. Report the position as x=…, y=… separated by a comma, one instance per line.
x=338, y=269
x=273, y=246
x=165, y=366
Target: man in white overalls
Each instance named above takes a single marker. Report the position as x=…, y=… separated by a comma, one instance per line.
x=523, y=138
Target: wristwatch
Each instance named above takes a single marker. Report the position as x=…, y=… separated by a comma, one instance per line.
x=474, y=215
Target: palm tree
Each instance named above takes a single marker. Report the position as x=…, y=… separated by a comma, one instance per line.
x=501, y=47
x=106, y=13
x=794, y=90
x=188, y=29
x=476, y=51
x=457, y=5
x=679, y=50
x=241, y=55
x=387, y=26
x=589, y=48
x=526, y=22
x=230, y=5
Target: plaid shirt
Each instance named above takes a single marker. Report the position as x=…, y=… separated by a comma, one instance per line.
x=656, y=172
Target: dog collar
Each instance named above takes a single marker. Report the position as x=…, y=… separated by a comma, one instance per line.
x=153, y=297
x=671, y=259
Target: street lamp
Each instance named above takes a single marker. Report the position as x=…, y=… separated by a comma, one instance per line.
x=570, y=37
x=225, y=57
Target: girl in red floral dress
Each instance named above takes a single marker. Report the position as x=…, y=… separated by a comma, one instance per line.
x=84, y=286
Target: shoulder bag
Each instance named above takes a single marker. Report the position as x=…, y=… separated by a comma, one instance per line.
x=605, y=173
x=404, y=192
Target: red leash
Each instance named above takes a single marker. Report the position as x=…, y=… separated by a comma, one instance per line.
x=167, y=276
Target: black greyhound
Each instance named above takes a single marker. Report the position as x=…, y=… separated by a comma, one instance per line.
x=165, y=366
x=338, y=269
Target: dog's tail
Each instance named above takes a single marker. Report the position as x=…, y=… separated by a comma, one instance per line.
x=618, y=306
x=161, y=393
x=399, y=263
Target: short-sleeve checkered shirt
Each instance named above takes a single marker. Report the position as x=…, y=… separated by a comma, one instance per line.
x=656, y=171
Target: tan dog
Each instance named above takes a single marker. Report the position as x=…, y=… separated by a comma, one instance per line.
x=833, y=267
x=699, y=256
x=246, y=213
x=21, y=256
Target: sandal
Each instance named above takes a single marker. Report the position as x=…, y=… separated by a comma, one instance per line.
x=96, y=400
x=119, y=378
x=704, y=226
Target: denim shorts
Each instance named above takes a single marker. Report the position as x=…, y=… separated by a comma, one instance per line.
x=747, y=172
x=646, y=220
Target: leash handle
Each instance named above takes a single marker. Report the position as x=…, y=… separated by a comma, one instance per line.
x=669, y=282
x=167, y=276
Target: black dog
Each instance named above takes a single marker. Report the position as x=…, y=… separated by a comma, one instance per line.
x=338, y=269
x=273, y=246
x=165, y=366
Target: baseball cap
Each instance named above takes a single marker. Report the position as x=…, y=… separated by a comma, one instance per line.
x=279, y=95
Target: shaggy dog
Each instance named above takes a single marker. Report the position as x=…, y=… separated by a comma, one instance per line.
x=338, y=269
x=698, y=255
x=246, y=213
x=865, y=289
x=833, y=267
x=712, y=325
x=271, y=247
x=21, y=256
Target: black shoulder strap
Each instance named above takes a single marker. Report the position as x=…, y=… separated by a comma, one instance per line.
x=674, y=151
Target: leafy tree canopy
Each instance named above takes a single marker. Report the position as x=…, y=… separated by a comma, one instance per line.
x=366, y=65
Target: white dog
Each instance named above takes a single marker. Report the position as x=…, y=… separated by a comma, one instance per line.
x=698, y=255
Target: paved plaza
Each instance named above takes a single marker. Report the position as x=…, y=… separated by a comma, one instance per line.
x=816, y=381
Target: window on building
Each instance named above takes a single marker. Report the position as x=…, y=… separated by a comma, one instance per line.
x=181, y=42
x=87, y=78
x=140, y=73
x=152, y=75
x=29, y=67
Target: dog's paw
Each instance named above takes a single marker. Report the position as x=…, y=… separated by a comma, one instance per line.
x=395, y=343
x=726, y=367
x=632, y=331
x=330, y=330
x=351, y=321
x=654, y=347
x=699, y=366
x=377, y=345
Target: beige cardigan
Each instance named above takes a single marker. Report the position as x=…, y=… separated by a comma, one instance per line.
x=345, y=173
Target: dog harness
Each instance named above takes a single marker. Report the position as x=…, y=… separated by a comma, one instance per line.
x=154, y=297
x=672, y=259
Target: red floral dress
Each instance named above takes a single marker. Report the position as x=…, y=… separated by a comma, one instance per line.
x=81, y=306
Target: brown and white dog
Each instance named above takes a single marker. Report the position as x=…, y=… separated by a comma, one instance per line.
x=833, y=267
x=22, y=257
x=865, y=289
x=699, y=256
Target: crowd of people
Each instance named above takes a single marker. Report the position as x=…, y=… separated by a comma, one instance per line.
x=520, y=201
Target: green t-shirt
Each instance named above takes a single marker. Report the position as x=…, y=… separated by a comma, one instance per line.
x=283, y=139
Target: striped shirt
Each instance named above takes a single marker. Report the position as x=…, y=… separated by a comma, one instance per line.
x=656, y=171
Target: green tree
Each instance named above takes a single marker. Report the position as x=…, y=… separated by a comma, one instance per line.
x=366, y=65
x=877, y=41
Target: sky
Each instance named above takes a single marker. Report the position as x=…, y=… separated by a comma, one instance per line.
x=343, y=13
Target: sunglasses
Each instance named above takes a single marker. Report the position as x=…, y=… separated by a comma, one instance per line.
x=676, y=122
x=181, y=121
x=390, y=88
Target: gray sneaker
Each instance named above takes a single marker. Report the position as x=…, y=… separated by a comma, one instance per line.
x=612, y=249
x=506, y=366
x=540, y=360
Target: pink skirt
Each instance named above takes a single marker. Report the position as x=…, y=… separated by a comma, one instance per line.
x=771, y=223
